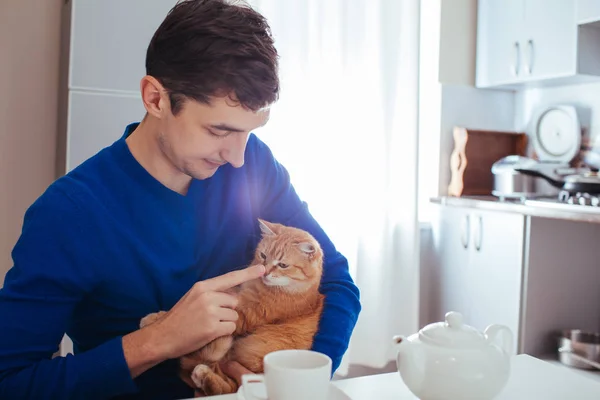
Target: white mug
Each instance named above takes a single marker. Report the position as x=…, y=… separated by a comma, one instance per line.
x=290, y=375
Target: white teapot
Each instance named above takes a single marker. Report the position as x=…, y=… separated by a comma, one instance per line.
x=449, y=360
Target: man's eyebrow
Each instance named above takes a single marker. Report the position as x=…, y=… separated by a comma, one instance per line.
x=227, y=128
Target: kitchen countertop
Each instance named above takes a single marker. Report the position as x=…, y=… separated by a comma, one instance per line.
x=530, y=379
x=534, y=207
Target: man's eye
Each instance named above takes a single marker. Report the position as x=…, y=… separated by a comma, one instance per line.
x=213, y=133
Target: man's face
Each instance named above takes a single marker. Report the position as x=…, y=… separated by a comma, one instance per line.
x=202, y=137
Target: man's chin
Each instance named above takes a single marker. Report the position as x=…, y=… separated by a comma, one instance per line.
x=201, y=175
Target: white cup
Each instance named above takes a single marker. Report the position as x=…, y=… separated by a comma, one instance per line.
x=290, y=375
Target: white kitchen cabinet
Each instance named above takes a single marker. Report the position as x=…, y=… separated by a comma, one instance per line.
x=496, y=269
x=523, y=43
x=549, y=39
x=537, y=275
x=109, y=39
x=452, y=240
x=499, y=48
x=479, y=266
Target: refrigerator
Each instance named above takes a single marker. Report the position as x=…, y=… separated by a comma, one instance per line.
x=103, y=49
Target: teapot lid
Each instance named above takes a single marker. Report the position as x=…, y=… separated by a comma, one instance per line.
x=452, y=333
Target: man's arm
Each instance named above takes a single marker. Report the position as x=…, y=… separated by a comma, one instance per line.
x=278, y=202
x=40, y=292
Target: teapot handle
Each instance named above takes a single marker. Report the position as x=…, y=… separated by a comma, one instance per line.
x=500, y=335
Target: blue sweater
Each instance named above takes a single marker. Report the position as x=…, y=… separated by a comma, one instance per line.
x=107, y=244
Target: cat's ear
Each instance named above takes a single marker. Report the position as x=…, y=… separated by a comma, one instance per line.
x=307, y=248
x=266, y=227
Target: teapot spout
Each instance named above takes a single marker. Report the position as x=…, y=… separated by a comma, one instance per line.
x=401, y=345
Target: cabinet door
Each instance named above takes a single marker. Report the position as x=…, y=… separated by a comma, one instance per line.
x=109, y=39
x=452, y=242
x=550, y=39
x=496, y=269
x=96, y=120
x=499, y=51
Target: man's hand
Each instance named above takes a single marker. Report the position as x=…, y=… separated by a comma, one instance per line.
x=235, y=370
x=203, y=314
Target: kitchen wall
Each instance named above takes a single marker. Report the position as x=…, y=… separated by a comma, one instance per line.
x=29, y=39
x=471, y=108
x=586, y=96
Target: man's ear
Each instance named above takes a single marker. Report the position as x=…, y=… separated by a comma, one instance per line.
x=155, y=97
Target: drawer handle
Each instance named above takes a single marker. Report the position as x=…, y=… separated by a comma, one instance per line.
x=531, y=56
x=479, y=234
x=464, y=232
x=517, y=60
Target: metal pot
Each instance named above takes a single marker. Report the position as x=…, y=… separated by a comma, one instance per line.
x=509, y=182
x=579, y=349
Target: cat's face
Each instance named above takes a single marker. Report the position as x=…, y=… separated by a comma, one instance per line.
x=293, y=258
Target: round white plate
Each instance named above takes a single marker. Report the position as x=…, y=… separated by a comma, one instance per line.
x=557, y=134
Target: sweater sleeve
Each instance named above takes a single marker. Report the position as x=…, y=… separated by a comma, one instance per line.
x=52, y=271
x=280, y=203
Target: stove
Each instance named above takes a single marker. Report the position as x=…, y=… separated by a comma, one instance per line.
x=582, y=199
x=580, y=202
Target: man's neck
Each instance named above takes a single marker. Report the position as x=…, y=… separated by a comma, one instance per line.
x=143, y=144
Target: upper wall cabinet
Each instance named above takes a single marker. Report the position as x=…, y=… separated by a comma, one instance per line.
x=523, y=43
x=109, y=42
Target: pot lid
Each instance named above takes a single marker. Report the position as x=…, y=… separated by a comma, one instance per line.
x=557, y=134
x=587, y=177
x=510, y=163
x=452, y=333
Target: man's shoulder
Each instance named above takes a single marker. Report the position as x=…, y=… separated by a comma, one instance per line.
x=258, y=154
x=74, y=191
x=63, y=198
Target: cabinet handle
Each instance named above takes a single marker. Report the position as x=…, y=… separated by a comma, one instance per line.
x=464, y=232
x=478, y=234
x=517, y=63
x=531, y=56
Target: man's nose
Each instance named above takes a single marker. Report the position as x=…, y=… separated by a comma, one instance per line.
x=234, y=154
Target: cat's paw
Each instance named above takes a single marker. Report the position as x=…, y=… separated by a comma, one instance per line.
x=151, y=318
x=199, y=375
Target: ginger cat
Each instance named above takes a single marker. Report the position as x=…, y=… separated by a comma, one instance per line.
x=279, y=311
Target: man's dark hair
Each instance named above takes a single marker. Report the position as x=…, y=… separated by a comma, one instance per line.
x=208, y=48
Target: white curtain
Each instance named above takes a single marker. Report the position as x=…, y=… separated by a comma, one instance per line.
x=346, y=129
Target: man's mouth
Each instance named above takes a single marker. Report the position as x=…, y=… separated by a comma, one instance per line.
x=215, y=164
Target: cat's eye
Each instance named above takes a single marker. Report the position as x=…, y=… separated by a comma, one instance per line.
x=282, y=265
x=263, y=256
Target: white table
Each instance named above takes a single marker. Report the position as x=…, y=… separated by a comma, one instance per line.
x=530, y=379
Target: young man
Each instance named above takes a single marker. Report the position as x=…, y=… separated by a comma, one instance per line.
x=163, y=219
